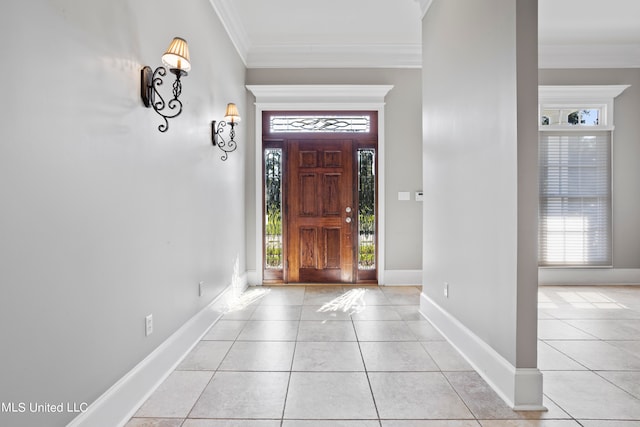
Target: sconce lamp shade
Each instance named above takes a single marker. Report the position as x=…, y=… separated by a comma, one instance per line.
x=231, y=118
x=232, y=115
x=176, y=58
x=177, y=55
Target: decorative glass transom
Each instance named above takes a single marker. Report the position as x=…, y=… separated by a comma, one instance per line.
x=360, y=124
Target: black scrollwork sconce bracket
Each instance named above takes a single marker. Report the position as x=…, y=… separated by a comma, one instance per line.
x=151, y=97
x=217, y=138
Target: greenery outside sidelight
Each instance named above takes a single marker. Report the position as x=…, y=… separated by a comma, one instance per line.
x=366, y=209
x=273, y=208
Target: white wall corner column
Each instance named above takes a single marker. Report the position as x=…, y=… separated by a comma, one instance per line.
x=318, y=98
x=480, y=176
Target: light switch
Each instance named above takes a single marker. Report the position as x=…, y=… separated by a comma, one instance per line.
x=404, y=195
x=419, y=196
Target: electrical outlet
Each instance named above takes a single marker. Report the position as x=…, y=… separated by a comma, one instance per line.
x=200, y=289
x=148, y=325
x=446, y=289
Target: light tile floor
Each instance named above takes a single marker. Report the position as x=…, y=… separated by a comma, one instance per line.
x=287, y=361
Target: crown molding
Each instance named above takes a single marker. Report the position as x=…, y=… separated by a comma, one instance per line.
x=318, y=94
x=589, y=56
x=586, y=93
x=424, y=6
x=233, y=25
x=335, y=56
x=401, y=56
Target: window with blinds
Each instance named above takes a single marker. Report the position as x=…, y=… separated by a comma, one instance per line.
x=575, y=198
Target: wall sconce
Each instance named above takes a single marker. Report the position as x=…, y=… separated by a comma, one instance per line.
x=232, y=118
x=177, y=59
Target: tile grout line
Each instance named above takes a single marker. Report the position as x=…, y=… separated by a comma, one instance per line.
x=586, y=368
x=571, y=417
x=217, y=367
x=293, y=357
x=614, y=384
x=455, y=390
x=366, y=371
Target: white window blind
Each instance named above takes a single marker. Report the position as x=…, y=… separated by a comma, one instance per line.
x=575, y=198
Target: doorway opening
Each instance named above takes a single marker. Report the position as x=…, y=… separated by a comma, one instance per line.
x=320, y=197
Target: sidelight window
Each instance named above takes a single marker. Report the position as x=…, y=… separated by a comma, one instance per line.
x=366, y=209
x=273, y=208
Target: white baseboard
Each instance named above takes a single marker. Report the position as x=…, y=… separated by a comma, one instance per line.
x=589, y=276
x=252, y=278
x=402, y=277
x=520, y=388
x=118, y=404
x=546, y=276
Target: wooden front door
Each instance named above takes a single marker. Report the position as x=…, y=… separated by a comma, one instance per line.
x=320, y=211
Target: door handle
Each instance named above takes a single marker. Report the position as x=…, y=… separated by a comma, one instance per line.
x=348, y=209
x=348, y=219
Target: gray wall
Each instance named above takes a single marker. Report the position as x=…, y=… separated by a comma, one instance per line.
x=104, y=219
x=480, y=169
x=626, y=153
x=403, y=167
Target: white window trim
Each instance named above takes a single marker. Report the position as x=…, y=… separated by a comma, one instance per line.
x=320, y=98
x=596, y=96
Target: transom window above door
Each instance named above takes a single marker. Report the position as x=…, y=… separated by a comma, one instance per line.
x=300, y=123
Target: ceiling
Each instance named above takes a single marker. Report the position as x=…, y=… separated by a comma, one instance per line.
x=387, y=33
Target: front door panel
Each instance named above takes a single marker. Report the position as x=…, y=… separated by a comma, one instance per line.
x=320, y=209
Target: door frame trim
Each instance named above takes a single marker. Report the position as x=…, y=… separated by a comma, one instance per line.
x=320, y=98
